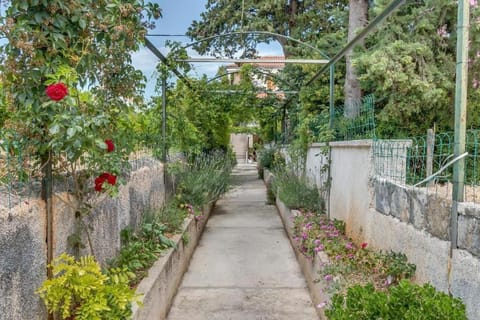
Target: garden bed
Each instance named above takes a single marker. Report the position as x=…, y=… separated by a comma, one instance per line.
x=310, y=268
x=158, y=289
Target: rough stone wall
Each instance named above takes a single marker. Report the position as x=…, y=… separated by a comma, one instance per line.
x=22, y=237
x=22, y=261
x=469, y=228
x=415, y=206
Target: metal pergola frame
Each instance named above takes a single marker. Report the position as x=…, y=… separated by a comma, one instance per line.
x=463, y=13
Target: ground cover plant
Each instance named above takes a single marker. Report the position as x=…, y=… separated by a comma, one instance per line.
x=405, y=301
x=349, y=264
x=141, y=249
x=366, y=284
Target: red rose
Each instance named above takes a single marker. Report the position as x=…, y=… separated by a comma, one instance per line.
x=57, y=91
x=364, y=245
x=108, y=177
x=110, y=145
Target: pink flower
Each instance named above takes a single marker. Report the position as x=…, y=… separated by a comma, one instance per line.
x=349, y=245
x=364, y=245
x=110, y=145
x=321, y=305
x=328, y=277
x=56, y=91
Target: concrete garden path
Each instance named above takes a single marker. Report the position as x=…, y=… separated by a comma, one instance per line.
x=243, y=267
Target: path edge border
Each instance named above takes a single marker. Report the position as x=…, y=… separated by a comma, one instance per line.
x=159, y=288
x=310, y=268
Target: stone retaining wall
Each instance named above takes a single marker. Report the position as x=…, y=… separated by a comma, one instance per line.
x=158, y=289
x=22, y=237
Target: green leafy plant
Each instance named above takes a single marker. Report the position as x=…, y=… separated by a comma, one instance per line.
x=266, y=157
x=348, y=264
x=172, y=216
x=81, y=290
x=396, y=265
x=204, y=179
x=405, y=301
x=140, y=250
x=296, y=192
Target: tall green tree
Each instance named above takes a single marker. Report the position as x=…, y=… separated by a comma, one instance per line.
x=409, y=64
x=357, y=20
x=305, y=20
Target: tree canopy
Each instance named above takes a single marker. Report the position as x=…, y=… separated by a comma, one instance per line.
x=303, y=20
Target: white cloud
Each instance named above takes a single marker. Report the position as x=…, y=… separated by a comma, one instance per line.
x=145, y=61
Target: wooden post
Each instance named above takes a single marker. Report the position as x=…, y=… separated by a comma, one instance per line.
x=430, y=150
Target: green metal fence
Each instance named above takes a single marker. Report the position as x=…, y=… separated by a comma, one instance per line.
x=361, y=126
x=412, y=161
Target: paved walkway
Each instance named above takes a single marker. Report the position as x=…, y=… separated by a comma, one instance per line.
x=243, y=267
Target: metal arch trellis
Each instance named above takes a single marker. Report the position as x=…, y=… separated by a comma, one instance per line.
x=164, y=60
x=330, y=65
x=273, y=34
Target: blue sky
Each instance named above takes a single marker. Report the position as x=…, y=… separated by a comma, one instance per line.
x=177, y=17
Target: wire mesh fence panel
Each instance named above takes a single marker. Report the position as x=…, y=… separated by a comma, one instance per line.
x=20, y=178
x=413, y=162
x=472, y=174
x=360, y=125
x=391, y=160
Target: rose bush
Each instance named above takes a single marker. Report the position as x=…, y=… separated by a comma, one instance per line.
x=104, y=177
x=110, y=145
x=51, y=50
x=56, y=91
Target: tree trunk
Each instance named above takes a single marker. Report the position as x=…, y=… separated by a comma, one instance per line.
x=357, y=20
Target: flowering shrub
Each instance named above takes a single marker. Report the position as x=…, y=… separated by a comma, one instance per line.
x=105, y=177
x=56, y=91
x=51, y=49
x=349, y=263
x=110, y=145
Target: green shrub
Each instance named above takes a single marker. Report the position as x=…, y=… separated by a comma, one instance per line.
x=296, y=193
x=141, y=249
x=81, y=290
x=172, y=216
x=270, y=158
x=204, y=179
x=405, y=301
x=266, y=157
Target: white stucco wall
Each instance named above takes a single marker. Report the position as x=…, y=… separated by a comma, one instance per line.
x=351, y=166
